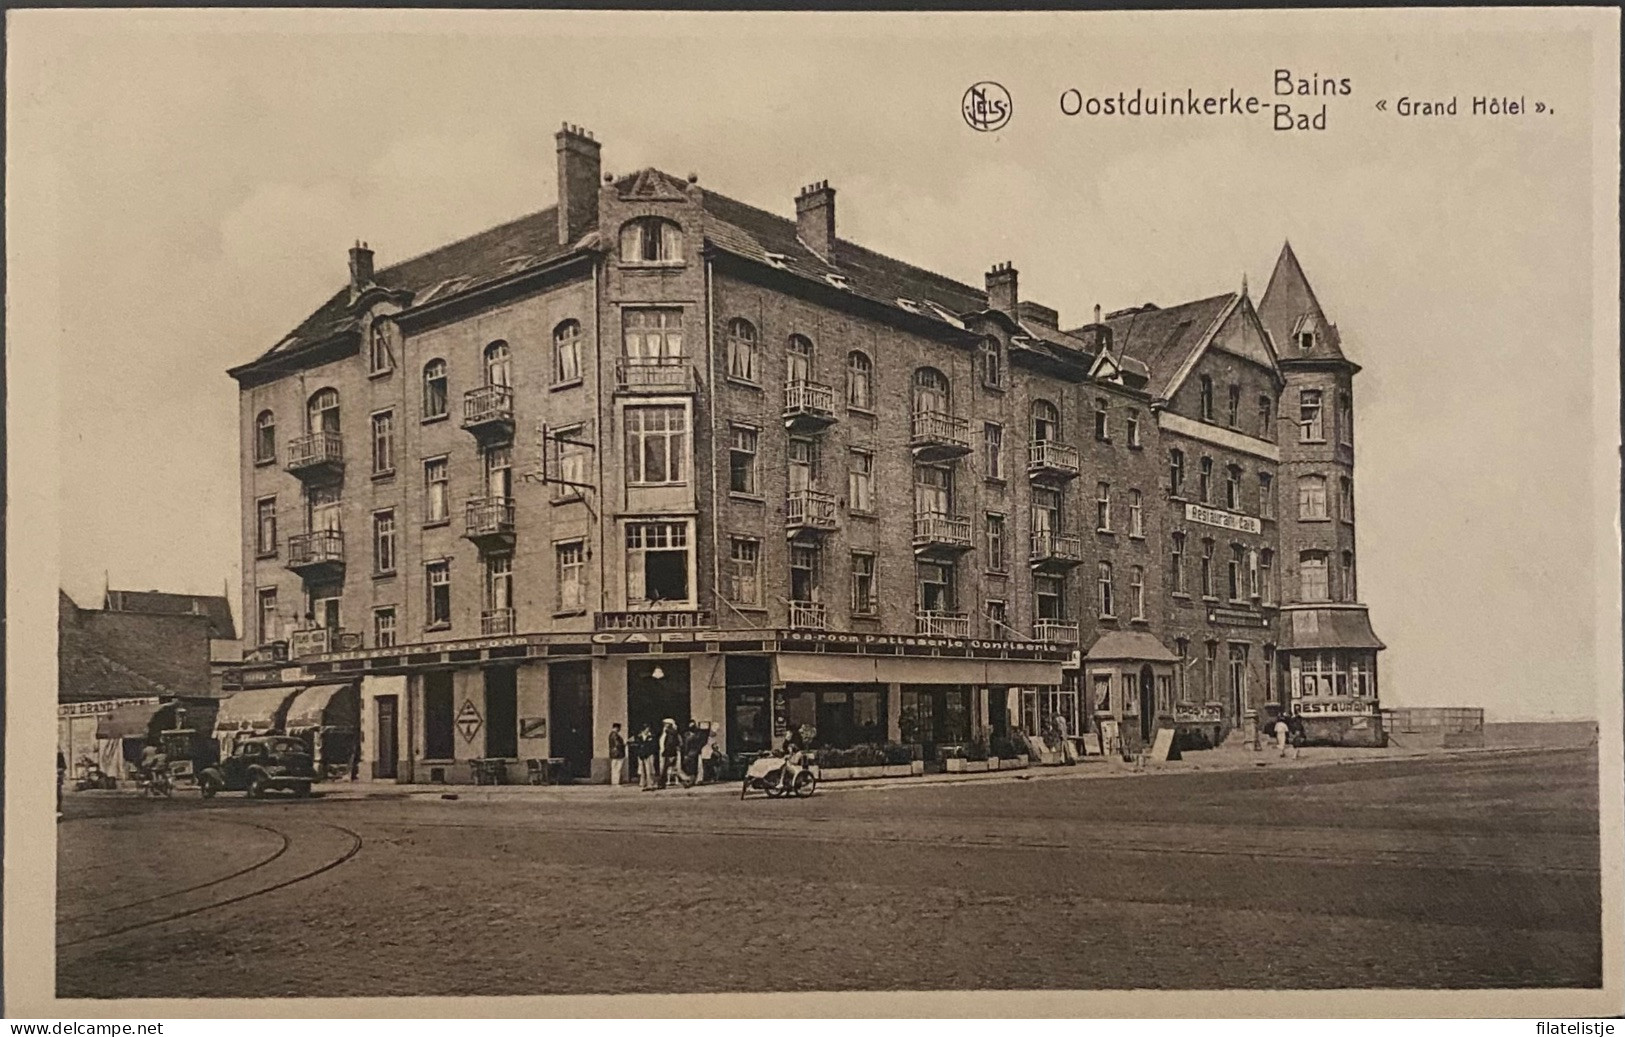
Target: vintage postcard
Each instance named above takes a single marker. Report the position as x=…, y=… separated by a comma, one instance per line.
x=1034, y=514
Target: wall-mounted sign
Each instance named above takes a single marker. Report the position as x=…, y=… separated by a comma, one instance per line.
x=532, y=727
x=468, y=720
x=82, y=709
x=1223, y=519
x=1336, y=707
x=1198, y=712
x=1236, y=617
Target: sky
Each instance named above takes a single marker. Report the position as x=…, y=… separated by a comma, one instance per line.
x=186, y=184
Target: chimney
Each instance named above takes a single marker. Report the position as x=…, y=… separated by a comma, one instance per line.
x=1097, y=313
x=1001, y=288
x=360, y=269
x=579, y=170
x=815, y=219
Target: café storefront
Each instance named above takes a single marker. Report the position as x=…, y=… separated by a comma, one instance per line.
x=505, y=708
x=1328, y=662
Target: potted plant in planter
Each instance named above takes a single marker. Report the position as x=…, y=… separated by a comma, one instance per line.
x=953, y=759
x=976, y=757
x=896, y=760
x=835, y=764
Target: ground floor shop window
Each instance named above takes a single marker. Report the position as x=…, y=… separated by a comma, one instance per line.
x=1333, y=674
x=438, y=715
x=502, y=712
x=935, y=715
x=655, y=692
x=842, y=715
x=749, y=696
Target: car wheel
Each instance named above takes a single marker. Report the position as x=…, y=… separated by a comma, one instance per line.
x=302, y=790
x=207, y=786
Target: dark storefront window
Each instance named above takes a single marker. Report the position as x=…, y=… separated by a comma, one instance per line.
x=437, y=716
x=844, y=715
x=502, y=712
x=656, y=691
x=933, y=715
x=750, y=718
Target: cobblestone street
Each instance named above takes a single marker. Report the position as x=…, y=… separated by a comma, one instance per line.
x=1441, y=872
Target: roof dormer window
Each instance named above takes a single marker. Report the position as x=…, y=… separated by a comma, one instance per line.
x=650, y=239
x=1306, y=341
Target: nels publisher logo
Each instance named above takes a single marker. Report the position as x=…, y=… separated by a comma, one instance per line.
x=987, y=107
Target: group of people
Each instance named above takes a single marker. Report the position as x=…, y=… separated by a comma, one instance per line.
x=1288, y=731
x=674, y=755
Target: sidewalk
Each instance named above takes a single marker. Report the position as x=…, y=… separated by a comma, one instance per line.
x=1209, y=760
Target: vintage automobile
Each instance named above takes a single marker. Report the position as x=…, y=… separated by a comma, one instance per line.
x=258, y=765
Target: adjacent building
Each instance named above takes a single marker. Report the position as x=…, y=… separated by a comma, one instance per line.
x=653, y=452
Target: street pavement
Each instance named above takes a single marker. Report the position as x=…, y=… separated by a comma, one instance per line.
x=1421, y=871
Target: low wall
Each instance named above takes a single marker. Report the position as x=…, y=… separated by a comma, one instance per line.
x=1443, y=727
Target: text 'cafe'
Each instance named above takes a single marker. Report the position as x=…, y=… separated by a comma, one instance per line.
x=437, y=712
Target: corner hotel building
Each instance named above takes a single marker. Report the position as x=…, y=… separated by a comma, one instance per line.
x=653, y=452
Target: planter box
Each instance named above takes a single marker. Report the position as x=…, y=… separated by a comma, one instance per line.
x=1015, y=764
x=838, y=773
x=897, y=770
x=976, y=766
x=868, y=772
x=954, y=765
x=1051, y=758
x=916, y=768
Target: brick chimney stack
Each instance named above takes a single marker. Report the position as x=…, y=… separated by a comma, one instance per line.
x=1001, y=288
x=360, y=269
x=815, y=219
x=579, y=170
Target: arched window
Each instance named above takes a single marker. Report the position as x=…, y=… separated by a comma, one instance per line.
x=860, y=381
x=434, y=389
x=932, y=394
x=265, y=437
x=1207, y=398
x=1312, y=576
x=992, y=362
x=798, y=360
x=498, y=364
x=742, y=350
x=322, y=413
x=650, y=239
x=567, y=352
x=1311, y=497
x=1046, y=421
x=379, y=358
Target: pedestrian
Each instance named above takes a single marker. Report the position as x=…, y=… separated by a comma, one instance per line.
x=693, y=742
x=61, y=776
x=617, y=754
x=643, y=750
x=671, y=747
x=1295, y=733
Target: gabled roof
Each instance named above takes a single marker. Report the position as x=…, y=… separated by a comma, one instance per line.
x=214, y=607
x=1164, y=339
x=1289, y=307
x=766, y=238
x=491, y=254
x=104, y=654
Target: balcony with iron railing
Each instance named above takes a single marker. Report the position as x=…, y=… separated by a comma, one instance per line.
x=936, y=623
x=496, y=622
x=935, y=436
x=319, y=552
x=1048, y=460
x=934, y=531
x=660, y=374
x=489, y=521
x=1055, y=631
x=317, y=455
x=1050, y=549
x=808, y=615
x=321, y=641
x=488, y=411
x=808, y=406
x=650, y=619
x=809, y=510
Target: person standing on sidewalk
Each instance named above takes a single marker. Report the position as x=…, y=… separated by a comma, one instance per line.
x=643, y=750
x=617, y=755
x=1280, y=732
x=61, y=776
x=671, y=745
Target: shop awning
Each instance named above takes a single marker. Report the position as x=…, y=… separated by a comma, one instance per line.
x=1303, y=629
x=258, y=709
x=316, y=707
x=871, y=669
x=1129, y=646
x=132, y=721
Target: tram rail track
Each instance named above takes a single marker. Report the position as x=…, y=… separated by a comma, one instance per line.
x=355, y=844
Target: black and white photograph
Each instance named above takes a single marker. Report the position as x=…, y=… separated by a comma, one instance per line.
x=825, y=513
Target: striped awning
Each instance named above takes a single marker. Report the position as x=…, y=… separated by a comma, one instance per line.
x=257, y=709
x=322, y=705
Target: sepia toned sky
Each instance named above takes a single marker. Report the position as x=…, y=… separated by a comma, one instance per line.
x=189, y=183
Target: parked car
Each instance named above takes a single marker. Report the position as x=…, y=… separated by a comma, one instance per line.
x=258, y=765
